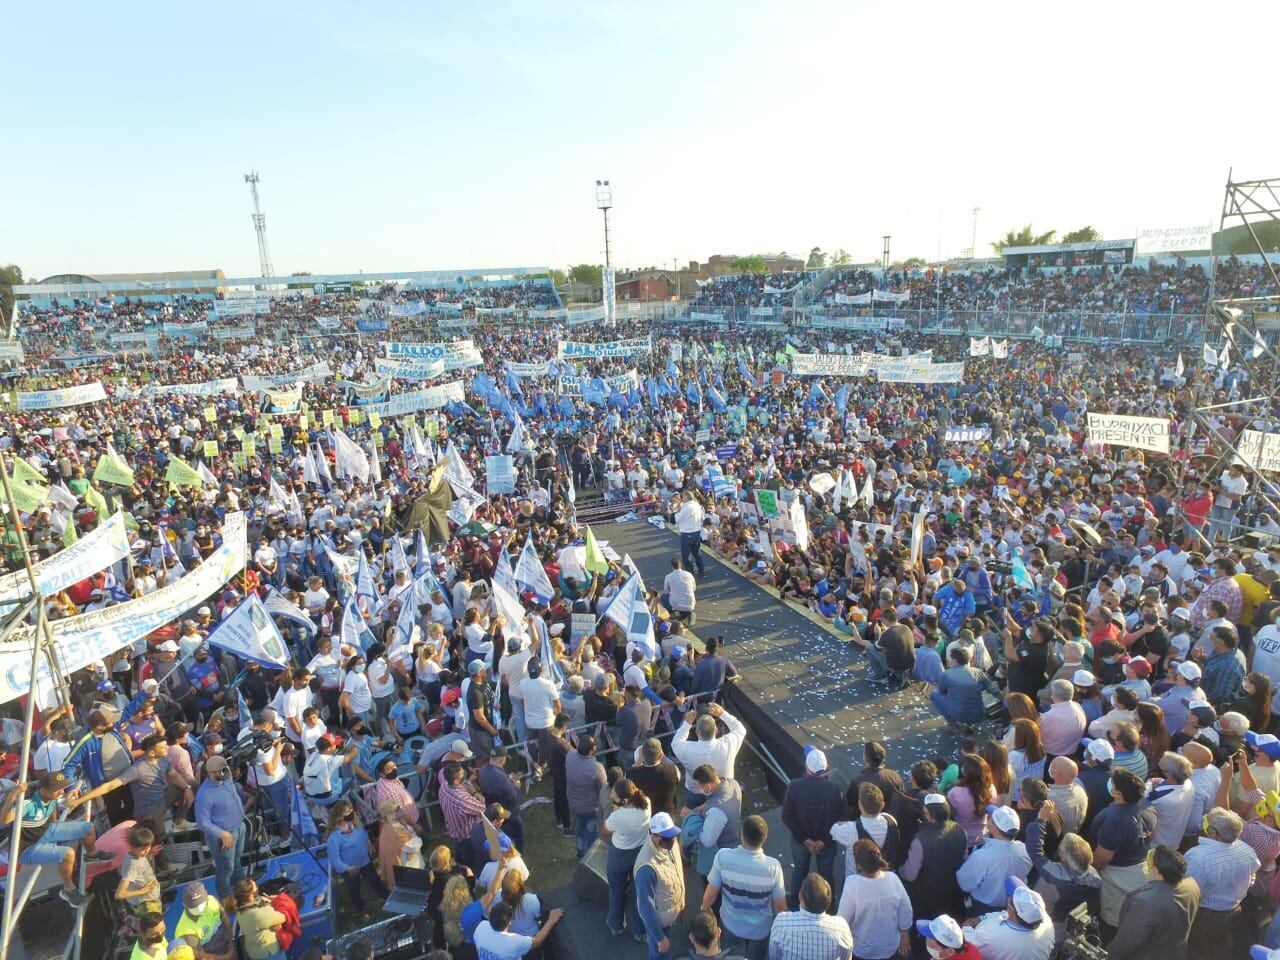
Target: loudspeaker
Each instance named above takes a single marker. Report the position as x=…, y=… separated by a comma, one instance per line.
x=591, y=877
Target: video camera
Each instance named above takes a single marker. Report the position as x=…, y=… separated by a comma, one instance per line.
x=1083, y=941
x=246, y=751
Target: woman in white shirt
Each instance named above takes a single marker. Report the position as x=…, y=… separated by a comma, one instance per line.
x=427, y=666
x=326, y=666
x=355, y=698
x=626, y=830
x=315, y=598
x=876, y=906
x=1027, y=756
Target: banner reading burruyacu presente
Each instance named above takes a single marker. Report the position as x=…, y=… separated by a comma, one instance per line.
x=1145, y=433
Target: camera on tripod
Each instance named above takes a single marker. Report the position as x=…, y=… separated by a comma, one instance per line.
x=1083, y=941
x=246, y=751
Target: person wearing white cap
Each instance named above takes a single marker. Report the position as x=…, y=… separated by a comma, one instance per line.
x=1157, y=917
x=1186, y=686
x=659, y=880
x=1022, y=931
x=812, y=805
x=944, y=939
x=999, y=855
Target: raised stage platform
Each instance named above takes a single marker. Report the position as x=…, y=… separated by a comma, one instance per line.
x=800, y=684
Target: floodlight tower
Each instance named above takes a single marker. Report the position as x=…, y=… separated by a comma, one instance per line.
x=260, y=226
x=604, y=202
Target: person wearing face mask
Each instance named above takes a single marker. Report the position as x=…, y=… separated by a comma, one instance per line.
x=348, y=847
x=659, y=881
x=389, y=788
x=53, y=753
x=206, y=678
x=152, y=943
x=204, y=925
x=356, y=698
x=944, y=939
x=220, y=817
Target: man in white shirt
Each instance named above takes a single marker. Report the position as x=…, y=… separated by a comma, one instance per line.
x=1231, y=488
x=541, y=703
x=495, y=941
x=511, y=676
x=679, y=591
x=688, y=519
x=719, y=751
x=295, y=701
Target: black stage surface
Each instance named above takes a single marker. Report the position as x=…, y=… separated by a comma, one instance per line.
x=800, y=683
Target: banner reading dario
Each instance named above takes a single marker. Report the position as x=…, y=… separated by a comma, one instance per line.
x=78, y=641
x=1145, y=433
x=614, y=348
x=66, y=397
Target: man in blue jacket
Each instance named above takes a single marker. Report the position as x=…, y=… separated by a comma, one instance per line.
x=958, y=695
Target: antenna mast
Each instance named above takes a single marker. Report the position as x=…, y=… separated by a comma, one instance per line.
x=260, y=226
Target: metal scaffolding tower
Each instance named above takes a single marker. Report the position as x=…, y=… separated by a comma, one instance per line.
x=1244, y=323
x=260, y=226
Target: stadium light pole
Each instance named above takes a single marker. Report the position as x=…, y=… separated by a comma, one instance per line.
x=973, y=242
x=884, y=261
x=604, y=203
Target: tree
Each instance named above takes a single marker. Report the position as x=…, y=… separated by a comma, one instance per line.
x=300, y=273
x=752, y=264
x=1083, y=235
x=1023, y=238
x=913, y=262
x=558, y=277
x=817, y=259
x=1235, y=241
x=841, y=257
x=589, y=274
x=9, y=276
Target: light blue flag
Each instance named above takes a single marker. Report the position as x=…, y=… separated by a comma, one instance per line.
x=365, y=592
x=1019, y=573
x=354, y=631
x=421, y=555
x=716, y=399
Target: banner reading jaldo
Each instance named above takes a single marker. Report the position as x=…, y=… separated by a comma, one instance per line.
x=66, y=397
x=614, y=348
x=79, y=641
x=1259, y=451
x=1145, y=433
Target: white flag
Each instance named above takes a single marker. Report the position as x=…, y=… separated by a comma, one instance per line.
x=322, y=465
x=979, y=347
x=629, y=611
x=869, y=491
x=279, y=606
x=1224, y=358
x=375, y=468
x=1208, y=356
x=1177, y=370
x=206, y=475
x=456, y=469
x=249, y=633
x=518, y=442
x=529, y=572
x=799, y=523
x=309, y=472
x=349, y=458
x=1000, y=349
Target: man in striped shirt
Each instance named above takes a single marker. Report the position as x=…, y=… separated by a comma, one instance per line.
x=461, y=804
x=810, y=933
x=751, y=886
x=1224, y=866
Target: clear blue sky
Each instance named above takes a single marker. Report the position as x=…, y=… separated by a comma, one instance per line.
x=431, y=135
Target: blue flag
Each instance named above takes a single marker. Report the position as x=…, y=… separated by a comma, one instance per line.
x=716, y=399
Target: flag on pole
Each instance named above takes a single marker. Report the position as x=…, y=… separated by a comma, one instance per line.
x=278, y=605
x=250, y=634
x=113, y=469
x=1208, y=355
x=179, y=474
x=530, y=575
x=366, y=595
x=349, y=458
x=869, y=491
x=1018, y=571
x=206, y=475
x=518, y=442
x=595, y=561
x=309, y=473
x=1224, y=358
x=354, y=631
x=1178, y=370
x=421, y=554
x=630, y=612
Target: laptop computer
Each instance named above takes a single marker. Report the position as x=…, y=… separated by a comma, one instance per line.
x=409, y=896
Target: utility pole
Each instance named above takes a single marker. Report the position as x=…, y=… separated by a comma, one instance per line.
x=973, y=242
x=884, y=259
x=260, y=226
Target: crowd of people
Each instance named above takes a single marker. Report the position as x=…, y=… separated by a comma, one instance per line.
x=1111, y=741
